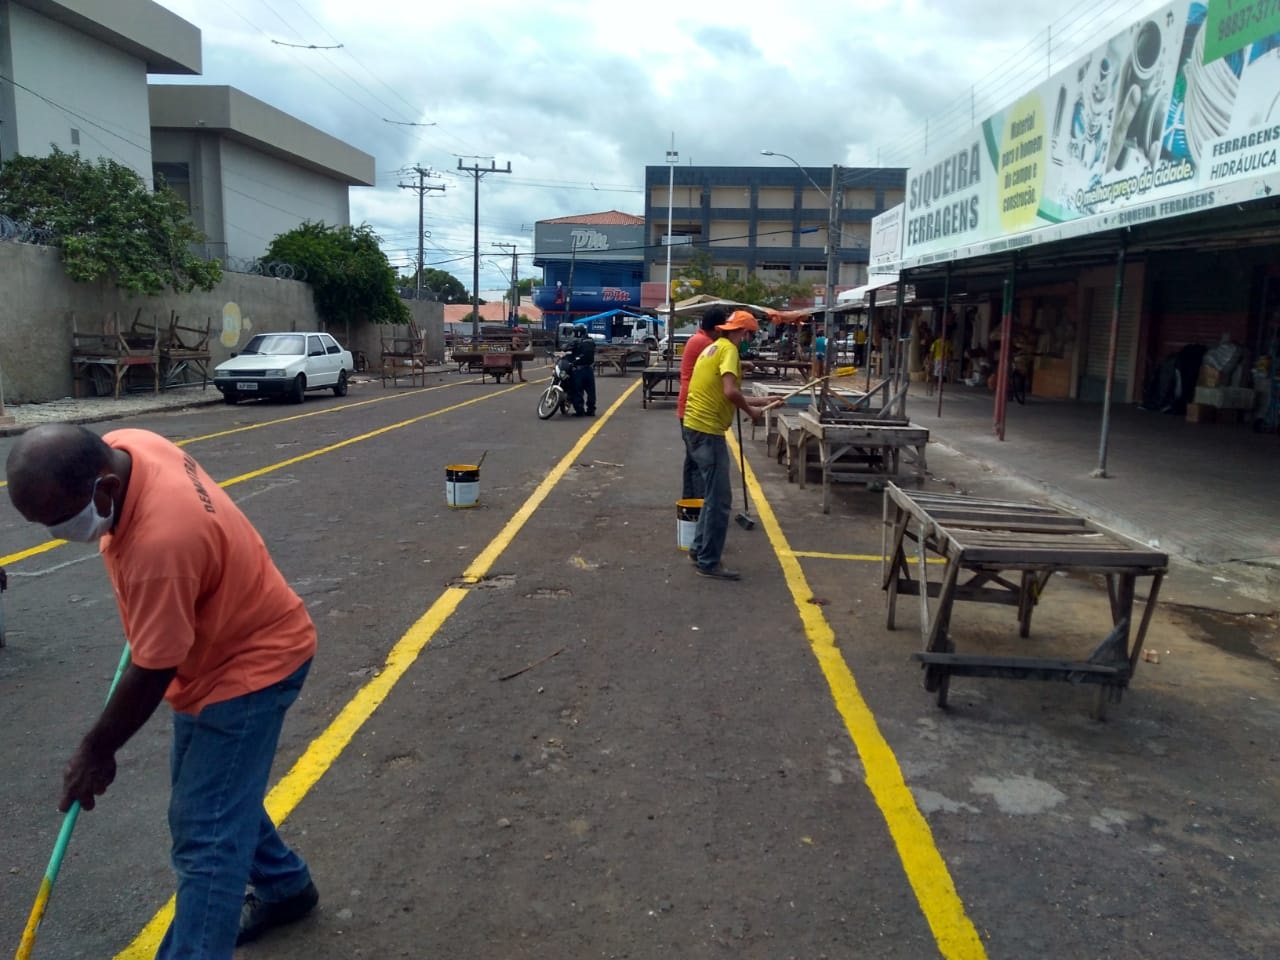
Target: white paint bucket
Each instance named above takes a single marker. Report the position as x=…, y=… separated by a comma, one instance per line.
x=687, y=513
x=462, y=485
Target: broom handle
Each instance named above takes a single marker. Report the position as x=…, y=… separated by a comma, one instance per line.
x=775, y=401
x=59, y=850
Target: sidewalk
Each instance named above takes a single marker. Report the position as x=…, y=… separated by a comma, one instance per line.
x=1205, y=492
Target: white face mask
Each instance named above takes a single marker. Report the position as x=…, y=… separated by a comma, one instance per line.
x=86, y=526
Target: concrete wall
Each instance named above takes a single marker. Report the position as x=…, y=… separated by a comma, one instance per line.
x=37, y=303
x=79, y=74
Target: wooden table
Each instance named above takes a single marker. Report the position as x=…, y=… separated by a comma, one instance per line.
x=780, y=368
x=1008, y=551
x=868, y=450
x=651, y=378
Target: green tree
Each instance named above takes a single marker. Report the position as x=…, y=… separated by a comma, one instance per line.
x=439, y=285
x=701, y=271
x=108, y=223
x=525, y=287
x=347, y=270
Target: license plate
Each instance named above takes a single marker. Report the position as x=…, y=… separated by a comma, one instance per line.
x=247, y=386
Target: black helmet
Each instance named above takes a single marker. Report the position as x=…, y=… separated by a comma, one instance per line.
x=579, y=331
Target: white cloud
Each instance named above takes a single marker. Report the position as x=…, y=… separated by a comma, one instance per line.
x=579, y=96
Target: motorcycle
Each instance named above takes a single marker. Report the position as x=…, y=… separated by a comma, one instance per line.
x=556, y=396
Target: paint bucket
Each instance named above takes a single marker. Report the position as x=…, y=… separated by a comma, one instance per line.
x=687, y=513
x=461, y=484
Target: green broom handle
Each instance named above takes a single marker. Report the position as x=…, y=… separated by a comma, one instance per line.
x=59, y=849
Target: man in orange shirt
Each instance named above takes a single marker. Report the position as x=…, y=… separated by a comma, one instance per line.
x=703, y=338
x=213, y=628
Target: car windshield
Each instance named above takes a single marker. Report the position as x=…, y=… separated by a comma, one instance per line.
x=277, y=345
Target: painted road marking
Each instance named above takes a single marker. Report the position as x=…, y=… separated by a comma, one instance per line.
x=325, y=749
x=253, y=474
x=316, y=413
x=926, y=871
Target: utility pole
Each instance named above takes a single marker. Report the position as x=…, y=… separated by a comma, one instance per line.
x=422, y=188
x=513, y=317
x=478, y=171
x=833, y=242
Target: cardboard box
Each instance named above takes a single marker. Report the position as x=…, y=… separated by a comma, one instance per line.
x=1200, y=413
x=1210, y=377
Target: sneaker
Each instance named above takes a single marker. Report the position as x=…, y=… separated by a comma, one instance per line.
x=259, y=916
x=718, y=572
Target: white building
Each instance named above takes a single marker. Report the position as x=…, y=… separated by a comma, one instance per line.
x=247, y=170
x=73, y=74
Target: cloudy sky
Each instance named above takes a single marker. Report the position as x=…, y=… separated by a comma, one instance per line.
x=581, y=95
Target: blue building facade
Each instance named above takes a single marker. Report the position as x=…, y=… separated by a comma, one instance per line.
x=591, y=263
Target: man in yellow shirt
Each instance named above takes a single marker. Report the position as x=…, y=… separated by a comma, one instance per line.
x=714, y=393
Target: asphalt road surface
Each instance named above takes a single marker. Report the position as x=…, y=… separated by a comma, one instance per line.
x=531, y=732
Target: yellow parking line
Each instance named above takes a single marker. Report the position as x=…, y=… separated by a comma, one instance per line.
x=325, y=749
x=253, y=474
x=926, y=871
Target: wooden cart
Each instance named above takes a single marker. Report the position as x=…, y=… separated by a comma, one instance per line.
x=1006, y=551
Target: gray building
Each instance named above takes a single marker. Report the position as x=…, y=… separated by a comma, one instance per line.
x=247, y=170
x=770, y=221
x=73, y=74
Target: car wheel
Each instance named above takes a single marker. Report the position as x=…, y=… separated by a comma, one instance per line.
x=230, y=397
x=299, y=389
x=340, y=388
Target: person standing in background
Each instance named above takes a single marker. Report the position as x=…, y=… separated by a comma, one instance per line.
x=691, y=488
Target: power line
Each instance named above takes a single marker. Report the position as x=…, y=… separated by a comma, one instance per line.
x=477, y=172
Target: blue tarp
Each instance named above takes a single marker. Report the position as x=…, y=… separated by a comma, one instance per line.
x=610, y=314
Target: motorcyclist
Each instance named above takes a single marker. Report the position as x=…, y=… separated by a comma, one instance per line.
x=583, y=352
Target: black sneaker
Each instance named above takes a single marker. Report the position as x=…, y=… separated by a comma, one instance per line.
x=258, y=916
x=718, y=572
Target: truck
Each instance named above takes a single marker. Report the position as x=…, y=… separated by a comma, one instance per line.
x=623, y=327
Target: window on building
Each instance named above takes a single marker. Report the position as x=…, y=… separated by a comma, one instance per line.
x=776, y=267
x=813, y=268
x=177, y=177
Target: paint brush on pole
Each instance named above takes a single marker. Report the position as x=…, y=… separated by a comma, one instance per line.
x=59, y=849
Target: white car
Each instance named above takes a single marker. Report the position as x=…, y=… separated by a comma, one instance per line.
x=285, y=365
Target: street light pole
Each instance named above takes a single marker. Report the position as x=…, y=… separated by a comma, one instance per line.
x=832, y=197
x=672, y=159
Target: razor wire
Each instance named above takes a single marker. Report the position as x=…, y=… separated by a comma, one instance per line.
x=18, y=231
x=279, y=269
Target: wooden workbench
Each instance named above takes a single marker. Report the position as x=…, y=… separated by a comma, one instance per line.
x=1008, y=551
x=869, y=450
x=659, y=376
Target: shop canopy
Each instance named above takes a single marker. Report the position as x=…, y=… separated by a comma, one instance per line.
x=885, y=288
x=695, y=307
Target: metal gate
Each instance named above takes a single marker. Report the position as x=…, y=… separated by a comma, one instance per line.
x=1093, y=383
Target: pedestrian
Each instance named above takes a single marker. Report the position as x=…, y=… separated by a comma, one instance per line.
x=703, y=338
x=583, y=352
x=214, y=629
x=819, y=354
x=714, y=392
x=520, y=341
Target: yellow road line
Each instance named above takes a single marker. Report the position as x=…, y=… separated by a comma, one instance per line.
x=870, y=557
x=325, y=749
x=926, y=871
x=253, y=474
x=318, y=413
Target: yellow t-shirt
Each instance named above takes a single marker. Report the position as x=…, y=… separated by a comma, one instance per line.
x=706, y=409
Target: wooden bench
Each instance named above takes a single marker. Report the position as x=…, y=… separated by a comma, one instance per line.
x=184, y=352
x=1008, y=551
x=105, y=359
x=404, y=356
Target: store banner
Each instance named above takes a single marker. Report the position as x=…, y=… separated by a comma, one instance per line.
x=886, y=241
x=1155, y=121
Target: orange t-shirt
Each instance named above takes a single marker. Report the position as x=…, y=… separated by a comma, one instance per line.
x=196, y=587
x=692, y=350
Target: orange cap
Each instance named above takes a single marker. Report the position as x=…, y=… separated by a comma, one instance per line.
x=740, y=320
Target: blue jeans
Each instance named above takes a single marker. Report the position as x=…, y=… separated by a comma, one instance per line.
x=222, y=836
x=710, y=454
x=691, y=481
